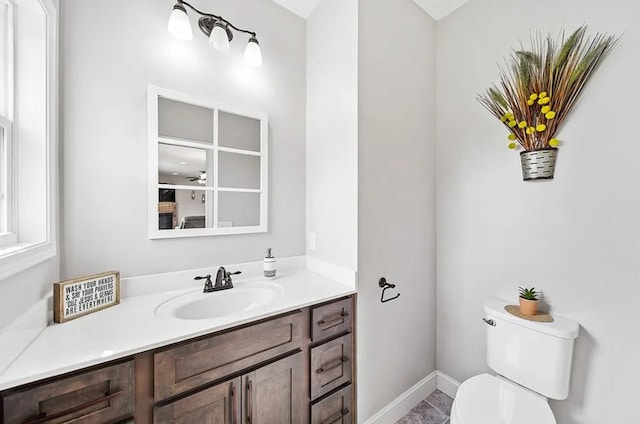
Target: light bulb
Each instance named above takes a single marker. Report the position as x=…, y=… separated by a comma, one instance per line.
x=252, y=53
x=179, y=25
x=219, y=38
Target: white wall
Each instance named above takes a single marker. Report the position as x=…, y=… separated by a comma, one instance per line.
x=332, y=131
x=111, y=51
x=576, y=237
x=22, y=290
x=396, y=188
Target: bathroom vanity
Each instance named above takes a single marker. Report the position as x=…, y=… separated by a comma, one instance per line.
x=294, y=367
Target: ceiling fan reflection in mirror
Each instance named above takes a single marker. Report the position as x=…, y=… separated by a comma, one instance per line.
x=201, y=179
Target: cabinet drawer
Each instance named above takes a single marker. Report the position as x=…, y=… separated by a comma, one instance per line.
x=330, y=365
x=334, y=409
x=94, y=397
x=331, y=319
x=190, y=365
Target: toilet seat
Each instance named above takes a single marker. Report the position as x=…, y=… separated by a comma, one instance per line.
x=485, y=399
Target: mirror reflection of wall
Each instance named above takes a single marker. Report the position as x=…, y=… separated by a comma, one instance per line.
x=211, y=166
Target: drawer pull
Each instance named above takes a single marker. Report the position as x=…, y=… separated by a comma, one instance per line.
x=234, y=405
x=250, y=402
x=334, y=319
x=337, y=416
x=44, y=417
x=332, y=365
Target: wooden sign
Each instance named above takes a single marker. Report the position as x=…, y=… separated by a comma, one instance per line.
x=81, y=296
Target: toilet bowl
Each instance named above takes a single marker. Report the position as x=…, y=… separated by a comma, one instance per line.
x=533, y=362
x=486, y=399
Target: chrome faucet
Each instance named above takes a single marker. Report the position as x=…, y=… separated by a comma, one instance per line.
x=223, y=280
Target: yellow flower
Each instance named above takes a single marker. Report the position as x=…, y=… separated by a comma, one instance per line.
x=509, y=115
x=533, y=97
x=512, y=146
x=512, y=123
x=544, y=100
x=530, y=102
x=503, y=119
x=530, y=130
x=511, y=137
x=550, y=115
x=522, y=124
x=541, y=127
x=545, y=109
x=553, y=142
x=543, y=95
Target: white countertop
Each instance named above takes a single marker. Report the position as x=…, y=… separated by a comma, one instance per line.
x=133, y=327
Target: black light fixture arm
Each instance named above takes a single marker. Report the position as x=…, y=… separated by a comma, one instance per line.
x=219, y=18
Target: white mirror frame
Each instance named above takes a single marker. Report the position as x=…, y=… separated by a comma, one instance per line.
x=153, y=94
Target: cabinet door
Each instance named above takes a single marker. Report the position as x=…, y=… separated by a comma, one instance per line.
x=274, y=394
x=219, y=404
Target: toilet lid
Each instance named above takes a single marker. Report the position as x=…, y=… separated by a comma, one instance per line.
x=485, y=399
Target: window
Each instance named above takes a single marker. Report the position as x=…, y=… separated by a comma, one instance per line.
x=7, y=226
x=28, y=133
x=7, y=229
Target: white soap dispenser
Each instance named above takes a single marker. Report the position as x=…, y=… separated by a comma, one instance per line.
x=269, y=265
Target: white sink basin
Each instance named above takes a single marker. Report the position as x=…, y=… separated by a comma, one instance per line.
x=196, y=305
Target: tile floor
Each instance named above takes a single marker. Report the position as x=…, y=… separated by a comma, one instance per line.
x=433, y=410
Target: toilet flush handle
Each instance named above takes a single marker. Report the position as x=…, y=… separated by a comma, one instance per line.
x=489, y=321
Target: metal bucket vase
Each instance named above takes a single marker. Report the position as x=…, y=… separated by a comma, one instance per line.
x=538, y=164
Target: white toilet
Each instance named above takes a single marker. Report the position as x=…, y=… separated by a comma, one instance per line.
x=533, y=363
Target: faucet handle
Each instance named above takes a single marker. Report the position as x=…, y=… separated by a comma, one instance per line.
x=208, y=277
x=208, y=285
x=227, y=277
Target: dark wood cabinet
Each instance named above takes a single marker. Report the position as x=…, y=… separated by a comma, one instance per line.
x=295, y=368
x=219, y=404
x=332, y=363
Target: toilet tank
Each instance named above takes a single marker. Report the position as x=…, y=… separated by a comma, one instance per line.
x=535, y=355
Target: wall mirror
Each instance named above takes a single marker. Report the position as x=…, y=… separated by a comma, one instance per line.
x=207, y=166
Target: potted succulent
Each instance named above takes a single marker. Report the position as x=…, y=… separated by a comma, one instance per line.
x=528, y=301
x=538, y=89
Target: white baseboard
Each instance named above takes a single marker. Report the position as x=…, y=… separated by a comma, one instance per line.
x=447, y=385
x=404, y=403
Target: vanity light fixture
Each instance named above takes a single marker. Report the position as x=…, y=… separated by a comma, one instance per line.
x=216, y=28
